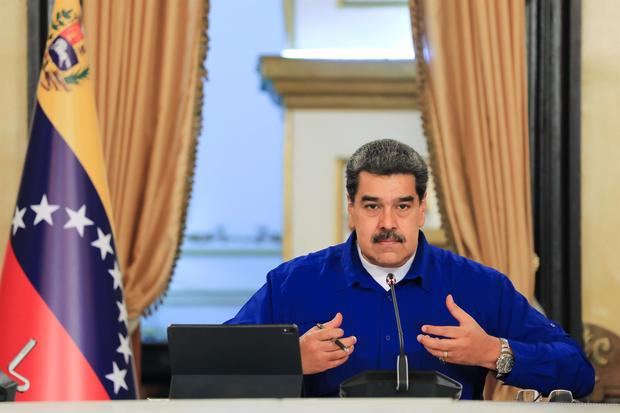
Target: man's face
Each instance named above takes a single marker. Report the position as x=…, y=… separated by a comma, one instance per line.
x=387, y=215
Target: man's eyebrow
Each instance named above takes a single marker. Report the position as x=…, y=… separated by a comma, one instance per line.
x=368, y=198
x=408, y=198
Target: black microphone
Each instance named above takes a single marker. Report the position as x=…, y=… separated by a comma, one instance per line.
x=380, y=383
x=402, y=366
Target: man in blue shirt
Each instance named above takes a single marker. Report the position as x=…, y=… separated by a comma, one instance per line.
x=459, y=317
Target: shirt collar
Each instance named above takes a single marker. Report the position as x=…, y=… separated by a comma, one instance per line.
x=354, y=272
x=379, y=274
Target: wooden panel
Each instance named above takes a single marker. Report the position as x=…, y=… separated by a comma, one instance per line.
x=340, y=84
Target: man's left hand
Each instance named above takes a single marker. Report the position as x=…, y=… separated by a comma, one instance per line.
x=466, y=344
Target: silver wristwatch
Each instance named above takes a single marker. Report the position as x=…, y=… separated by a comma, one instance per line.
x=506, y=359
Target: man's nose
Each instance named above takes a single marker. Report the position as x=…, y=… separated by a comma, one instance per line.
x=387, y=219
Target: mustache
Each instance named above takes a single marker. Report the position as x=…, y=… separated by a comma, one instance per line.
x=388, y=235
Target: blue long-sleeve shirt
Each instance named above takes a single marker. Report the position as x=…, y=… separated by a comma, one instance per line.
x=313, y=288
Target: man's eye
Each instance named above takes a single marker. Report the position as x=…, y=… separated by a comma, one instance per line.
x=371, y=207
x=404, y=206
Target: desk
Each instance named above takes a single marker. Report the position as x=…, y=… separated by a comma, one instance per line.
x=302, y=406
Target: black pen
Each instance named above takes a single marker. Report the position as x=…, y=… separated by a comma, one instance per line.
x=336, y=341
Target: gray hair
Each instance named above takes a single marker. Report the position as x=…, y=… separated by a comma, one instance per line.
x=386, y=157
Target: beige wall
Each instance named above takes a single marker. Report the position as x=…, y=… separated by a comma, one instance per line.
x=320, y=24
x=13, y=108
x=600, y=148
x=320, y=140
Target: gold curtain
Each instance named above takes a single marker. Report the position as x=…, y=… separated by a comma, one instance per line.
x=147, y=58
x=471, y=61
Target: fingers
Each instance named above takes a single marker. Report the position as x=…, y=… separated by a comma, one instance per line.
x=335, y=363
x=440, y=354
x=443, y=331
x=339, y=354
x=334, y=322
x=348, y=341
x=319, y=352
x=456, y=311
x=332, y=346
x=326, y=335
x=443, y=349
x=438, y=344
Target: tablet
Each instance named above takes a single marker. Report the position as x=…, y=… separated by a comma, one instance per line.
x=231, y=361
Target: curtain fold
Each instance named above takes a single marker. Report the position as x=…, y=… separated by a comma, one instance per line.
x=147, y=60
x=554, y=74
x=471, y=68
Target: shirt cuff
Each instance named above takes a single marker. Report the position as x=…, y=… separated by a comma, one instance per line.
x=529, y=369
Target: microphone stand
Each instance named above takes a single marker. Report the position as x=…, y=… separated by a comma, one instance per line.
x=380, y=383
x=402, y=365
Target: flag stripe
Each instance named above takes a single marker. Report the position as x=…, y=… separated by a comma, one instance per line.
x=80, y=132
x=69, y=273
x=25, y=315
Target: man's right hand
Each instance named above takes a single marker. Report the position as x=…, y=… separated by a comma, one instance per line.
x=318, y=350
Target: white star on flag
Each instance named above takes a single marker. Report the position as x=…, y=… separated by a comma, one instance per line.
x=103, y=243
x=78, y=220
x=117, y=377
x=124, y=347
x=122, y=316
x=117, y=276
x=18, y=219
x=44, y=211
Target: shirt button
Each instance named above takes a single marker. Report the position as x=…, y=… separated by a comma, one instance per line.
x=389, y=297
x=387, y=338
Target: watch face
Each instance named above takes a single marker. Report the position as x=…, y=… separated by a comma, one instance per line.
x=504, y=364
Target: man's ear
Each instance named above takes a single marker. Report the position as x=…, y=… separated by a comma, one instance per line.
x=351, y=220
x=422, y=214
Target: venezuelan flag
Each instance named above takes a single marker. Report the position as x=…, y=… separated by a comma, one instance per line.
x=62, y=313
